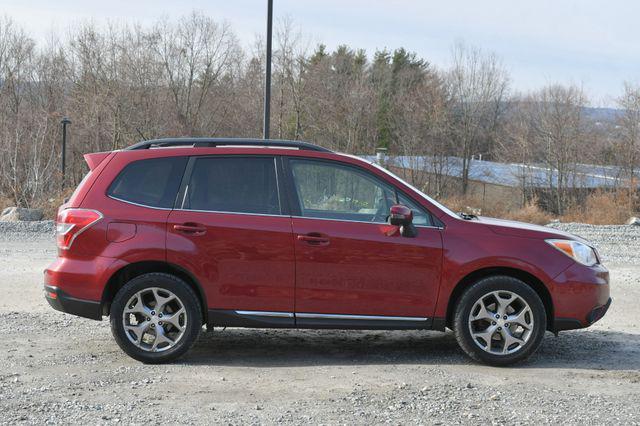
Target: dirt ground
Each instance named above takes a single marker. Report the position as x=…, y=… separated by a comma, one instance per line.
x=56, y=368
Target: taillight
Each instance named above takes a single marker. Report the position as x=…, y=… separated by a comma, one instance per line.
x=73, y=222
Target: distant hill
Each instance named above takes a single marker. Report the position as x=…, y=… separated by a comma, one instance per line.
x=603, y=114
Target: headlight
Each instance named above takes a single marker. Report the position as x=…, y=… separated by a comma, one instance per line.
x=581, y=253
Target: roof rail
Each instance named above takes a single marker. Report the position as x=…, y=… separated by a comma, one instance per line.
x=213, y=142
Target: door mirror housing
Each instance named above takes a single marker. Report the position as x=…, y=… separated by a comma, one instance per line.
x=402, y=216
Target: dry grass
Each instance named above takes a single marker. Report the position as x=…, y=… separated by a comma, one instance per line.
x=50, y=205
x=530, y=213
x=4, y=203
x=602, y=208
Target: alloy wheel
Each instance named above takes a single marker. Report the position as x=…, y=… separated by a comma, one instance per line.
x=501, y=322
x=154, y=319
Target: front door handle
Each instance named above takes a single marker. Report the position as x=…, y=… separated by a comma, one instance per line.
x=191, y=229
x=314, y=239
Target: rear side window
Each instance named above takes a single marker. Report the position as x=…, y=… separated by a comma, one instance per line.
x=152, y=182
x=235, y=185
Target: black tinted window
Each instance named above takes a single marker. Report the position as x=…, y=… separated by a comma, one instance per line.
x=152, y=182
x=240, y=185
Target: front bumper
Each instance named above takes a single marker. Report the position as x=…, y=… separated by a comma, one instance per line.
x=61, y=301
x=598, y=312
x=580, y=296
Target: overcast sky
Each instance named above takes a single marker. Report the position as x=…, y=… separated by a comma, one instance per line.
x=589, y=42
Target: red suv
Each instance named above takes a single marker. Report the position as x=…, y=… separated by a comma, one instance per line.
x=169, y=235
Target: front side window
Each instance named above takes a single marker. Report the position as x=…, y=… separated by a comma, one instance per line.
x=420, y=217
x=154, y=182
x=234, y=185
x=331, y=191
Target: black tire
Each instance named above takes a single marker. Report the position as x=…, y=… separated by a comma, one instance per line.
x=189, y=301
x=473, y=294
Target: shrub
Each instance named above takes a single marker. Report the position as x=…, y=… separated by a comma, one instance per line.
x=602, y=208
x=530, y=213
x=50, y=205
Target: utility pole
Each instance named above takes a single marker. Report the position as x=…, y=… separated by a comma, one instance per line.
x=65, y=121
x=267, y=77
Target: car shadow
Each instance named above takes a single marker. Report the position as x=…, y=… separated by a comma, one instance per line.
x=582, y=349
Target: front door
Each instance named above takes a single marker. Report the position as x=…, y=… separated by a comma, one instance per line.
x=231, y=233
x=351, y=266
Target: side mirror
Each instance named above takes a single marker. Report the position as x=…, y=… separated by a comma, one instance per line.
x=402, y=216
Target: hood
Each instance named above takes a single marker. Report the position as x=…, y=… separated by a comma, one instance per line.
x=513, y=228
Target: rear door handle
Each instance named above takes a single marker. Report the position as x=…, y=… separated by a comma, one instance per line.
x=191, y=229
x=314, y=239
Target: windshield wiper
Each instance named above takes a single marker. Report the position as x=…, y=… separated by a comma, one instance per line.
x=467, y=216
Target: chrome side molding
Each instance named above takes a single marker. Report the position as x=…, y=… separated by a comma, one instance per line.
x=358, y=317
x=305, y=315
x=266, y=314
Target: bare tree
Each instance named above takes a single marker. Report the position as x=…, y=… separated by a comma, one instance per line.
x=195, y=54
x=478, y=86
x=628, y=148
x=516, y=142
x=559, y=136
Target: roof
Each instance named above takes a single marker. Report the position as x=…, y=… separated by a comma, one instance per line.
x=511, y=174
x=214, y=142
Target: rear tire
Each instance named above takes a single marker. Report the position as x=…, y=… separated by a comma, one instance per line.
x=499, y=320
x=155, y=318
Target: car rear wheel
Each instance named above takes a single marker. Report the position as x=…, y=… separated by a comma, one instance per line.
x=155, y=318
x=499, y=320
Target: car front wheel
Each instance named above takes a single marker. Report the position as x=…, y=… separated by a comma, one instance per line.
x=500, y=320
x=155, y=318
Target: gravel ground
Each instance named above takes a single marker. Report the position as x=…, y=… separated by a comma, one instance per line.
x=26, y=231
x=60, y=369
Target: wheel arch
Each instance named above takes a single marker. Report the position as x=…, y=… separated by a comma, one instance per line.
x=132, y=270
x=531, y=280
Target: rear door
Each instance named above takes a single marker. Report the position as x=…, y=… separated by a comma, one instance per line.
x=352, y=267
x=231, y=231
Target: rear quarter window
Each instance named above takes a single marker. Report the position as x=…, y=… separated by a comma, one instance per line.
x=154, y=182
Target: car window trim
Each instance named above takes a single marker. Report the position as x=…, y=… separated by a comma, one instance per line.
x=360, y=221
x=139, y=204
x=264, y=214
x=294, y=203
x=226, y=212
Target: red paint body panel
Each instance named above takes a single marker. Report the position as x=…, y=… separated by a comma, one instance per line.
x=82, y=277
x=119, y=232
x=257, y=262
x=93, y=160
x=578, y=289
x=366, y=269
x=242, y=261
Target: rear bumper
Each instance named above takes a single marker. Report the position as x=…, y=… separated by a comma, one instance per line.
x=61, y=301
x=81, y=277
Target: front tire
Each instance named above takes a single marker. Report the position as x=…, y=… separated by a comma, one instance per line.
x=499, y=320
x=155, y=318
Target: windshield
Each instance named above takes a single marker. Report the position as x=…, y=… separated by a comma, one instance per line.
x=426, y=197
